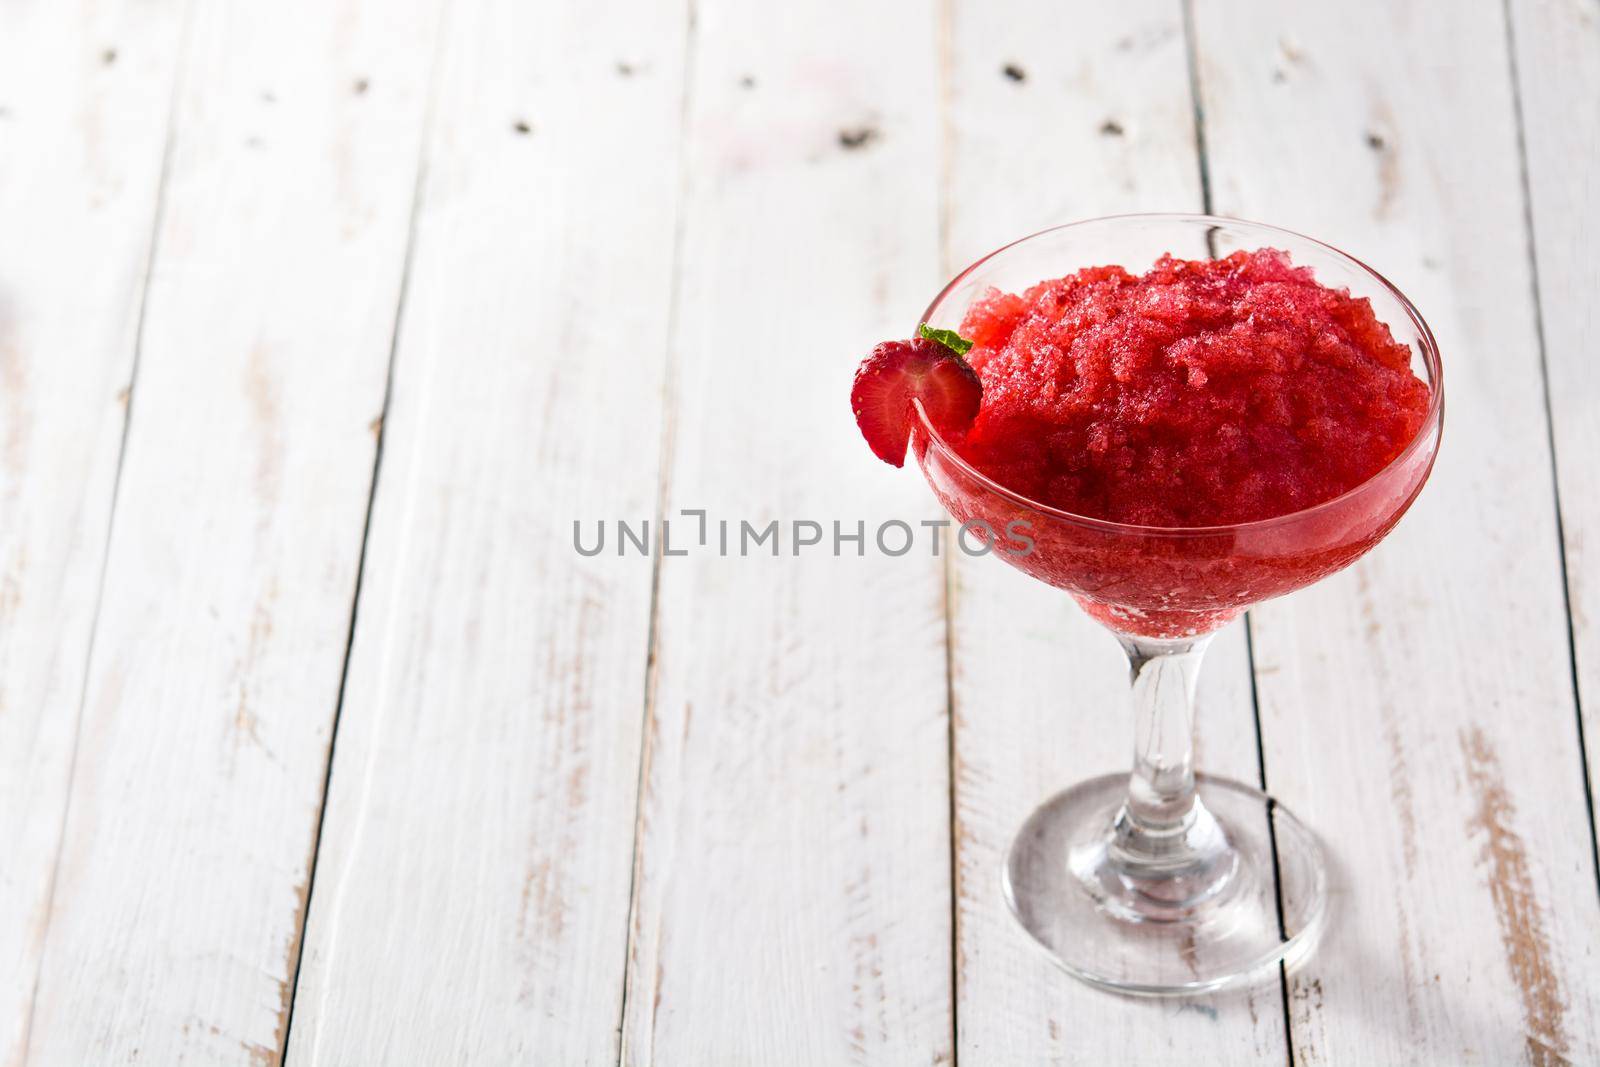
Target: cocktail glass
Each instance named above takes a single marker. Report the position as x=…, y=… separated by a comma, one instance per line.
x=1163, y=881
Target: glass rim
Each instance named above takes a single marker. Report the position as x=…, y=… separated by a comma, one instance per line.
x=1430, y=358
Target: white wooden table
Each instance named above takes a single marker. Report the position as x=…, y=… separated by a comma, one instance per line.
x=321, y=322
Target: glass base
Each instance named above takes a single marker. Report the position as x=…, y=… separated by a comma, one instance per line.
x=1175, y=932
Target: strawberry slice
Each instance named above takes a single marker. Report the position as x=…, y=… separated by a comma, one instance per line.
x=927, y=368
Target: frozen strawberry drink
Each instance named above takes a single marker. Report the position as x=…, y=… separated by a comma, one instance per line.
x=1186, y=416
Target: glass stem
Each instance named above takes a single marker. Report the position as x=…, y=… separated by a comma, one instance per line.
x=1166, y=845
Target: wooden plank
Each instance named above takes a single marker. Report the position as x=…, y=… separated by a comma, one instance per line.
x=791, y=903
x=231, y=571
x=1040, y=691
x=1418, y=711
x=85, y=96
x=488, y=751
x=1557, y=66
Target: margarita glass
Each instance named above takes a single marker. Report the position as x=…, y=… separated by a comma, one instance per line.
x=1161, y=880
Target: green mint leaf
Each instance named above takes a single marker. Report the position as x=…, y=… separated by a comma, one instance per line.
x=949, y=338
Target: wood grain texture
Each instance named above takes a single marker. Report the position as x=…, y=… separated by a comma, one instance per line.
x=471, y=902
x=1558, y=72
x=85, y=97
x=1417, y=710
x=653, y=237
x=1040, y=691
x=792, y=893
x=231, y=569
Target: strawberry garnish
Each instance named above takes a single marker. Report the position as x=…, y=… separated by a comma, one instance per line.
x=929, y=368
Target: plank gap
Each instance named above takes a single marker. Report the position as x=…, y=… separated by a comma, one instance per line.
x=380, y=430
x=169, y=138
x=1191, y=52
x=952, y=762
x=1272, y=833
x=944, y=34
x=665, y=450
x=1550, y=429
